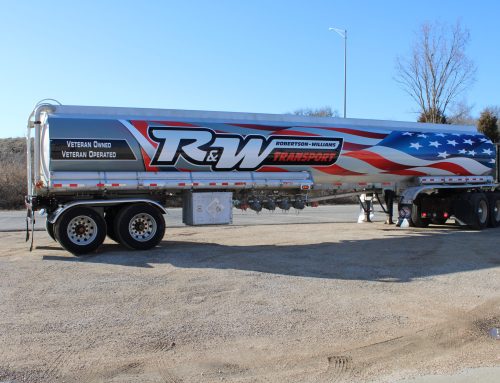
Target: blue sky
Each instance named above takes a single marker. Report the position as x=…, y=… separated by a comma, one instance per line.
x=250, y=56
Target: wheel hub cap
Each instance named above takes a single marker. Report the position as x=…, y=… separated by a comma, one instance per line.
x=142, y=227
x=82, y=230
x=482, y=211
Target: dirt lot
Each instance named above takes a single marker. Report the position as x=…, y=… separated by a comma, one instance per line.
x=277, y=303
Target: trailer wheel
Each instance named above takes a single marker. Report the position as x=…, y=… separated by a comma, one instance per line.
x=480, y=211
x=416, y=218
x=80, y=230
x=49, y=227
x=109, y=217
x=139, y=226
x=494, y=202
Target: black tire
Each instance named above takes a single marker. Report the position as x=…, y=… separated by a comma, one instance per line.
x=50, y=229
x=494, y=204
x=139, y=226
x=480, y=211
x=80, y=230
x=110, y=224
x=416, y=218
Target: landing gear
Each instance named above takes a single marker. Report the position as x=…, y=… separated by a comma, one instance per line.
x=366, y=205
x=389, y=203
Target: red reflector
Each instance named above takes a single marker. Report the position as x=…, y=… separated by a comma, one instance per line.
x=424, y=215
x=445, y=215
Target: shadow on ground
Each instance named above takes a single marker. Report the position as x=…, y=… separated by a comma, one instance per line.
x=386, y=259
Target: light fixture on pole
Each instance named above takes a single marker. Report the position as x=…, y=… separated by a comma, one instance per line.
x=343, y=34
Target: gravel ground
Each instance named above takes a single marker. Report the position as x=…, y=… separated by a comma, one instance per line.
x=278, y=303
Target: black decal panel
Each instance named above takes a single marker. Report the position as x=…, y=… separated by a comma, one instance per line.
x=89, y=149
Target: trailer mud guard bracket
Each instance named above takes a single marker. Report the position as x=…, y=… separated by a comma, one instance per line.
x=108, y=202
x=410, y=194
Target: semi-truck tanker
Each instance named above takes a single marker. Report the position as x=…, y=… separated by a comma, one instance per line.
x=106, y=171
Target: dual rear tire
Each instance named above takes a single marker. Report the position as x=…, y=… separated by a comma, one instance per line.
x=81, y=230
x=138, y=226
x=416, y=219
x=477, y=210
x=480, y=216
x=494, y=209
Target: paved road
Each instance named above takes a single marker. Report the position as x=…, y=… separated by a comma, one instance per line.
x=15, y=220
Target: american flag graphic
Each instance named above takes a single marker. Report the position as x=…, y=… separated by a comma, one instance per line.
x=422, y=153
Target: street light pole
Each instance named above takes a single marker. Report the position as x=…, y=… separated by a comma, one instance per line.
x=343, y=34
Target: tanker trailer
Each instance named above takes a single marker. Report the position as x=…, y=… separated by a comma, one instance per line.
x=98, y=171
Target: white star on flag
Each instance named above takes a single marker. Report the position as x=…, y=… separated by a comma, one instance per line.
x=452, y=142
x=443, y=154
x=435, y=144
x=415, y=145
x=407, y=134
x=440, y=134
x=422, y=135
x=468, y=141
x=462, y=151
x=456, y=134
x=484, y=139
x=492, y=161
x=472, y=153
x=487, y=151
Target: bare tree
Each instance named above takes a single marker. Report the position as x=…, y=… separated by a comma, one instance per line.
x=438, y=70
x=461, y=114
x=325, y=111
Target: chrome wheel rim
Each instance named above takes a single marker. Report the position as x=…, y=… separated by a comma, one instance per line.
x=82, y=230
x=482, y=211
x=142, y=227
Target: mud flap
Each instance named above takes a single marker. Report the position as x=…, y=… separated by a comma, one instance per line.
x=30, y=220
